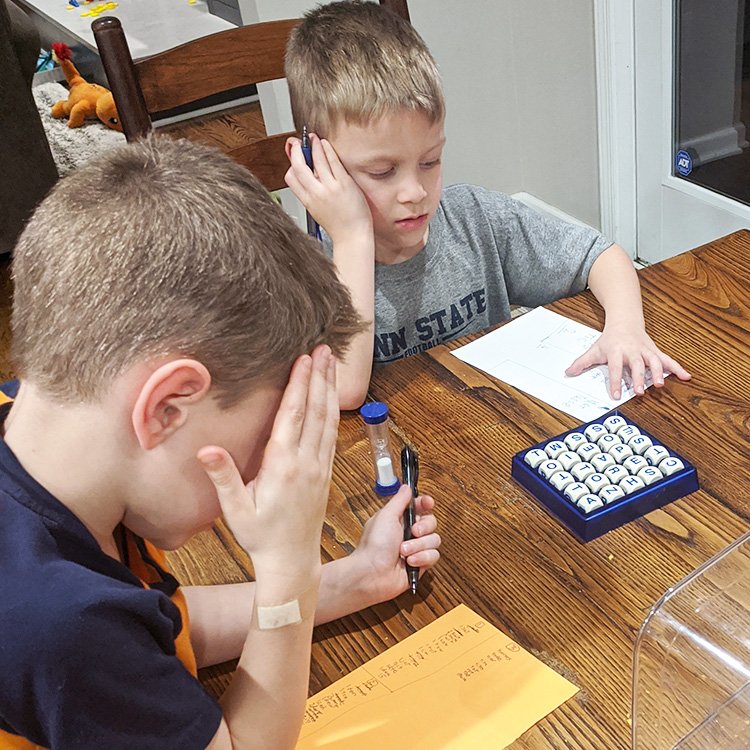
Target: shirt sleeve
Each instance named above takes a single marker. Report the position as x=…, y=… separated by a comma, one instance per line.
x=105, y=675
x=543, y=258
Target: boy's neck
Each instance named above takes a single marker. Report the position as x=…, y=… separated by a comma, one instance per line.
x=70, y=450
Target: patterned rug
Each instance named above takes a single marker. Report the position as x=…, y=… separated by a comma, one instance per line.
x=71, y=147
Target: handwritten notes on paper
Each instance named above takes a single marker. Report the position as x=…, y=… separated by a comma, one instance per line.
x=532, y=353
x=457, y=684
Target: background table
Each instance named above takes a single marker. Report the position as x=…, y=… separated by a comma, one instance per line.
x=577, y=607
x=150, y=26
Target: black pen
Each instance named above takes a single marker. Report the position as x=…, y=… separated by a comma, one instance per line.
x=312, y=226
x=410, y=474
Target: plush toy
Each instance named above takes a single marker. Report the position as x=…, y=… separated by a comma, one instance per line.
x=85, y=99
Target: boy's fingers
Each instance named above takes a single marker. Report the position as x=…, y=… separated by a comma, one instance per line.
x=290, y=418
x=221, y=470
x=637, y=373
x=331, y=428
x=290, y=177
x=337, y=168
x=320, y=158
x=586, y=360
x=305, y=176
x=426, y=558
x=657, y=369
x=316, y=409
x=614, y=365
x=424, y=525
x=419, y=544
x=292, y=180
x=290, y=144
x=424, y=504
x=675, y=367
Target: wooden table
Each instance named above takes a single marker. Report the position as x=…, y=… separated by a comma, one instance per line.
x=577, y=607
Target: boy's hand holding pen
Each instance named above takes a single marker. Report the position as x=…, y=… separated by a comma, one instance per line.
x=383, y=547
x=319, y=180
x=401, y=538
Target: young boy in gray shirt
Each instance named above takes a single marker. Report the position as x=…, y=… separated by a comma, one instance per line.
x=423, y=264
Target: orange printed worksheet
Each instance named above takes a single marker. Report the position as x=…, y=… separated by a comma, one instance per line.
x=457, y=684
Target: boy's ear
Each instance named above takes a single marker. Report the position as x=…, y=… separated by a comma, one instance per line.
x=164, y=400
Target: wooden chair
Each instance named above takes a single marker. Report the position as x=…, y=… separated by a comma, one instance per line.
x=194, y=71
x=400, y=7
x=199, y=69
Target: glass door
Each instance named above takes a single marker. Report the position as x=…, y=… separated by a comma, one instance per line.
x=712, y=76
x=692, y=84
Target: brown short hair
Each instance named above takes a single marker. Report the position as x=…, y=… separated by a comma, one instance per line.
x=355, y=61
x=167, y=247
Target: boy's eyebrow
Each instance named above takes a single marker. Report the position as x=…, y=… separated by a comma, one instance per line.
x=439, y=144
x=384, y=157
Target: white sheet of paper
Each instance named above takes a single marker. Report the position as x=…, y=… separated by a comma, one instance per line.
x=532, y=353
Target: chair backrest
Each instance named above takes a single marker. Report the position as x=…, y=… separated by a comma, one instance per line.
x=400, y=7
x=193, y=71
x=204, y=67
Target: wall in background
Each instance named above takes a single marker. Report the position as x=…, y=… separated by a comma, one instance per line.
x=519, y=79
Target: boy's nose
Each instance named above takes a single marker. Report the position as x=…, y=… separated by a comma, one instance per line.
x=412, y=191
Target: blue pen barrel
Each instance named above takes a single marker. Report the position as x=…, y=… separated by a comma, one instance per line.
x=313, y=229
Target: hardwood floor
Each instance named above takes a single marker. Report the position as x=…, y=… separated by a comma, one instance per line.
x=236, y=127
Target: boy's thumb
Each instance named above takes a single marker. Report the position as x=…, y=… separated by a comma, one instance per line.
x=399, y=502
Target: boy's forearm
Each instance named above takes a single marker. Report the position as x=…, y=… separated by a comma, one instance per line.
x=219, y=619
x=355, y=263
x=344, y=589
x=265, y=701
x=219, y=615
x=614, y=282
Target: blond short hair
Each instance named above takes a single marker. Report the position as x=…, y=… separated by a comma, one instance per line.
x=355, y=61
x=161, y=248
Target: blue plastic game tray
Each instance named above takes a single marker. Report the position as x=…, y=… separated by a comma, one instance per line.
x=597, y=510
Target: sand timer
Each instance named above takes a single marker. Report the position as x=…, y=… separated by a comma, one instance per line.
x=375, y=416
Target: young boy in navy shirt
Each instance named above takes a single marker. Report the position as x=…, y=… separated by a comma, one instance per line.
x=164, y=312
x=426, y=264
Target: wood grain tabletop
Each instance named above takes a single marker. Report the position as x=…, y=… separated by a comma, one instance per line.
x=578, y=607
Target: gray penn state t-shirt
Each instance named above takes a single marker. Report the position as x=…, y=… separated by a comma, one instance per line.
x=485, y=251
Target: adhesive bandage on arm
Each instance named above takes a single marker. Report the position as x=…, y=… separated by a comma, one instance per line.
x=279, y=616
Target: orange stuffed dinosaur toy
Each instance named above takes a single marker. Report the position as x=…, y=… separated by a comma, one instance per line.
x=85, y=99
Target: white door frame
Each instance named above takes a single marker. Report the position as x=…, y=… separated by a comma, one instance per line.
x=614, y=36
x=639, y=196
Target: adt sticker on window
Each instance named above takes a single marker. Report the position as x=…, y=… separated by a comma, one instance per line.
x=683, y=163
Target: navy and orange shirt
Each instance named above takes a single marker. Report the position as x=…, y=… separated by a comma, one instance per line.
x=94, y=652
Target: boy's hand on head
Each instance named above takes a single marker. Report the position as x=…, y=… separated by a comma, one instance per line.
x=330, y=194
x=277, y=518
x=627, y=347
x=382, y=550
